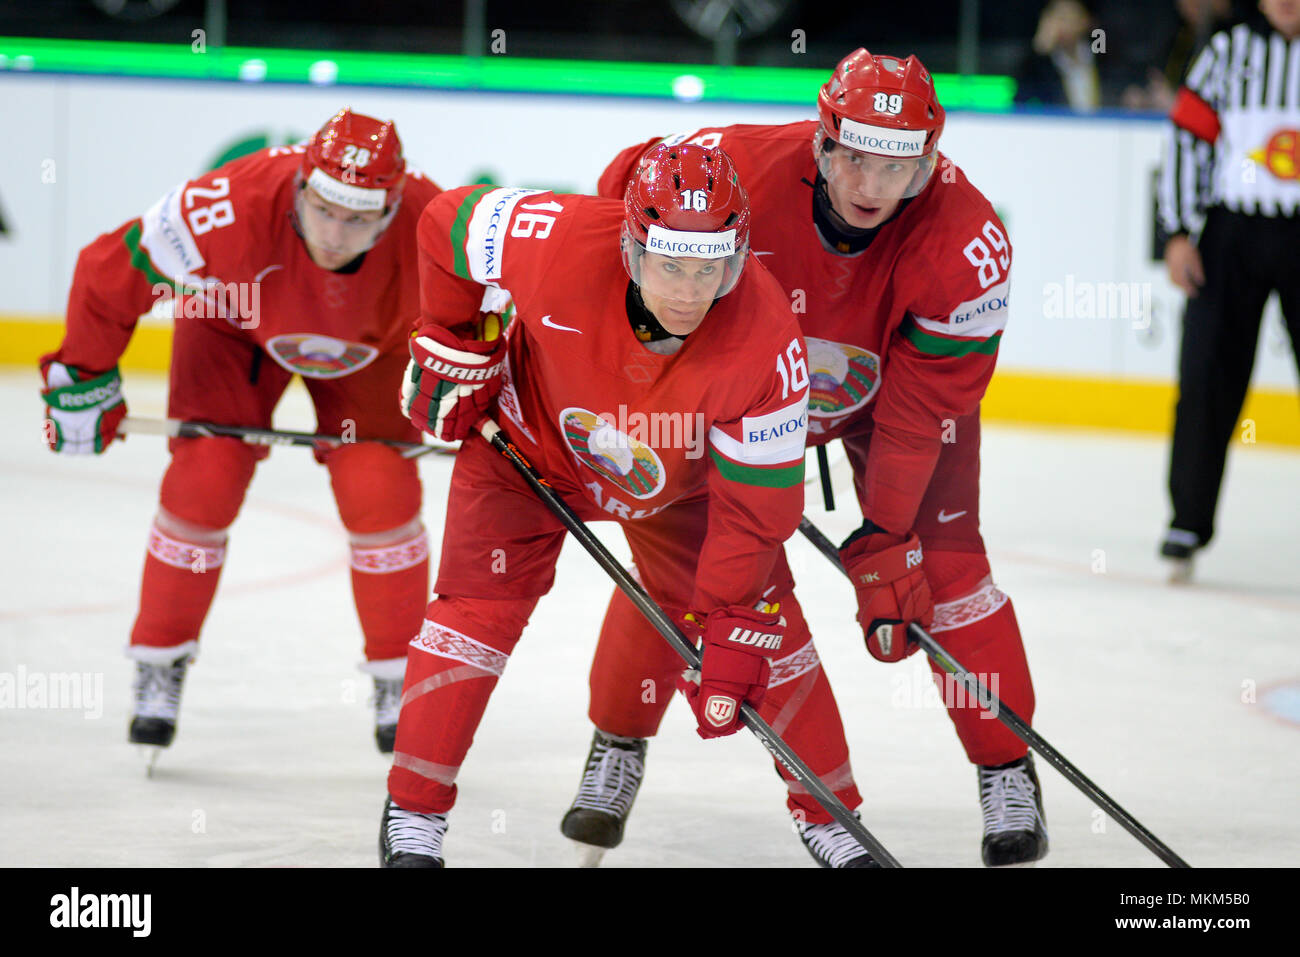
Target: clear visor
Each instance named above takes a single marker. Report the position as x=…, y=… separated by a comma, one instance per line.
x=872, y=176
x=682, y=279
x=337, y=231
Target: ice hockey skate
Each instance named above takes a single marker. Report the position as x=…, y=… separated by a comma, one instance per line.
x=1178, y=550
x=831, y=845
x=388, y=703
x=1015, y=828
x=409, y=838
x=615, y=767
x=157, y=705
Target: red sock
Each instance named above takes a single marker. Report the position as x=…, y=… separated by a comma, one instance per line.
x=981, y=632
x=390, y=584
x=180, y=579
x=451, y=668
x=801, y=708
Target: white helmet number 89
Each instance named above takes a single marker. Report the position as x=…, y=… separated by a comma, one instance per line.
x=887, y=102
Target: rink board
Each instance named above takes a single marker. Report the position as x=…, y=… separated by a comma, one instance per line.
x=1092, y=337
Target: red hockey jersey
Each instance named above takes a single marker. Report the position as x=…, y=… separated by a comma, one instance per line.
x=226, y=243
x=723, y=417
x=901, y=337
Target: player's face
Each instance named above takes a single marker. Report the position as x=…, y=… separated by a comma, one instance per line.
x=865, y=189
x=678, y=292
x=334, y=234
x=1283, y=16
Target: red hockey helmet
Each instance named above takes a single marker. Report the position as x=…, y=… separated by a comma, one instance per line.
x=686, y=202
x=356, y=161
x=880, y=106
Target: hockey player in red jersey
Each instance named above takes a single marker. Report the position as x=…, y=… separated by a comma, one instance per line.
x=293, y=260
x=673, y=403
x=898, y=269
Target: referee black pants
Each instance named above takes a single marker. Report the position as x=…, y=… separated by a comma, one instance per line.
x=1245, y=259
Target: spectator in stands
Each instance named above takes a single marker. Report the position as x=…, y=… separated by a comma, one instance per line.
x=1198, y=20
x=1061, y=68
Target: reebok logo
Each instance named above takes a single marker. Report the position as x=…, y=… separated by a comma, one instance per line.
x=747, y=636
x=78, y=400
x=885, y=638
x=914, y=558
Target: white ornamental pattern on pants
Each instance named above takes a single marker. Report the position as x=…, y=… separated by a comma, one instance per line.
x=391, y=558
x=792, y=666
x=967, y=610
x=186, y=555
x=448, y=643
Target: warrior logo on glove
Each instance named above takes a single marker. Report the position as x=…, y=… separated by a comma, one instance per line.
x=450, y=382
x=720, y=710
x=736, y=643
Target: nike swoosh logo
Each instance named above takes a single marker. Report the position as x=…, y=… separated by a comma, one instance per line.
x=268, y=269
x=546, y=321
x=944, y=517
x=764, y=252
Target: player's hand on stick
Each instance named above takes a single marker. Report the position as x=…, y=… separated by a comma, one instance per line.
x=887, y=573
x=734, y=668
x=82, y=409
x=1183, y=261
x=450, y=382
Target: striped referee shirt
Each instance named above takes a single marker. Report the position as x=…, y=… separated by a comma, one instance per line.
x=1235, y=131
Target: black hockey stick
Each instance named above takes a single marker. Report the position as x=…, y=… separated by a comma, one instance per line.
x=1017, y=724
x=180, y=427
x=665, y=626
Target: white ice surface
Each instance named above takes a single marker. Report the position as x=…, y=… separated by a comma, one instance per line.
x=1139, y=683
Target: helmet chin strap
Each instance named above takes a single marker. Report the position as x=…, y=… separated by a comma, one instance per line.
x=835, y=232
x=643, y=321
x=645, y=325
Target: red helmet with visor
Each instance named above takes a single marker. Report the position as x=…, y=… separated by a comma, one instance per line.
x=685, y=202
x=879, y=115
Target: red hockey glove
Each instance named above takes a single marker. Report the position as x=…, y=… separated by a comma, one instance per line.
x=892, y=589
x=82, y=410
x=734, y=667
x=450, y=383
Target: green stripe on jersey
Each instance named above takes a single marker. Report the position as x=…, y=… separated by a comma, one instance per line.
x=786, y=476
x=460, y=227
x=140, y=258
x=939, y=346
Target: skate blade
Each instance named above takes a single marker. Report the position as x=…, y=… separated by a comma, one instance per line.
x=589, y=855
x=1180, y=571
x=150, y=753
